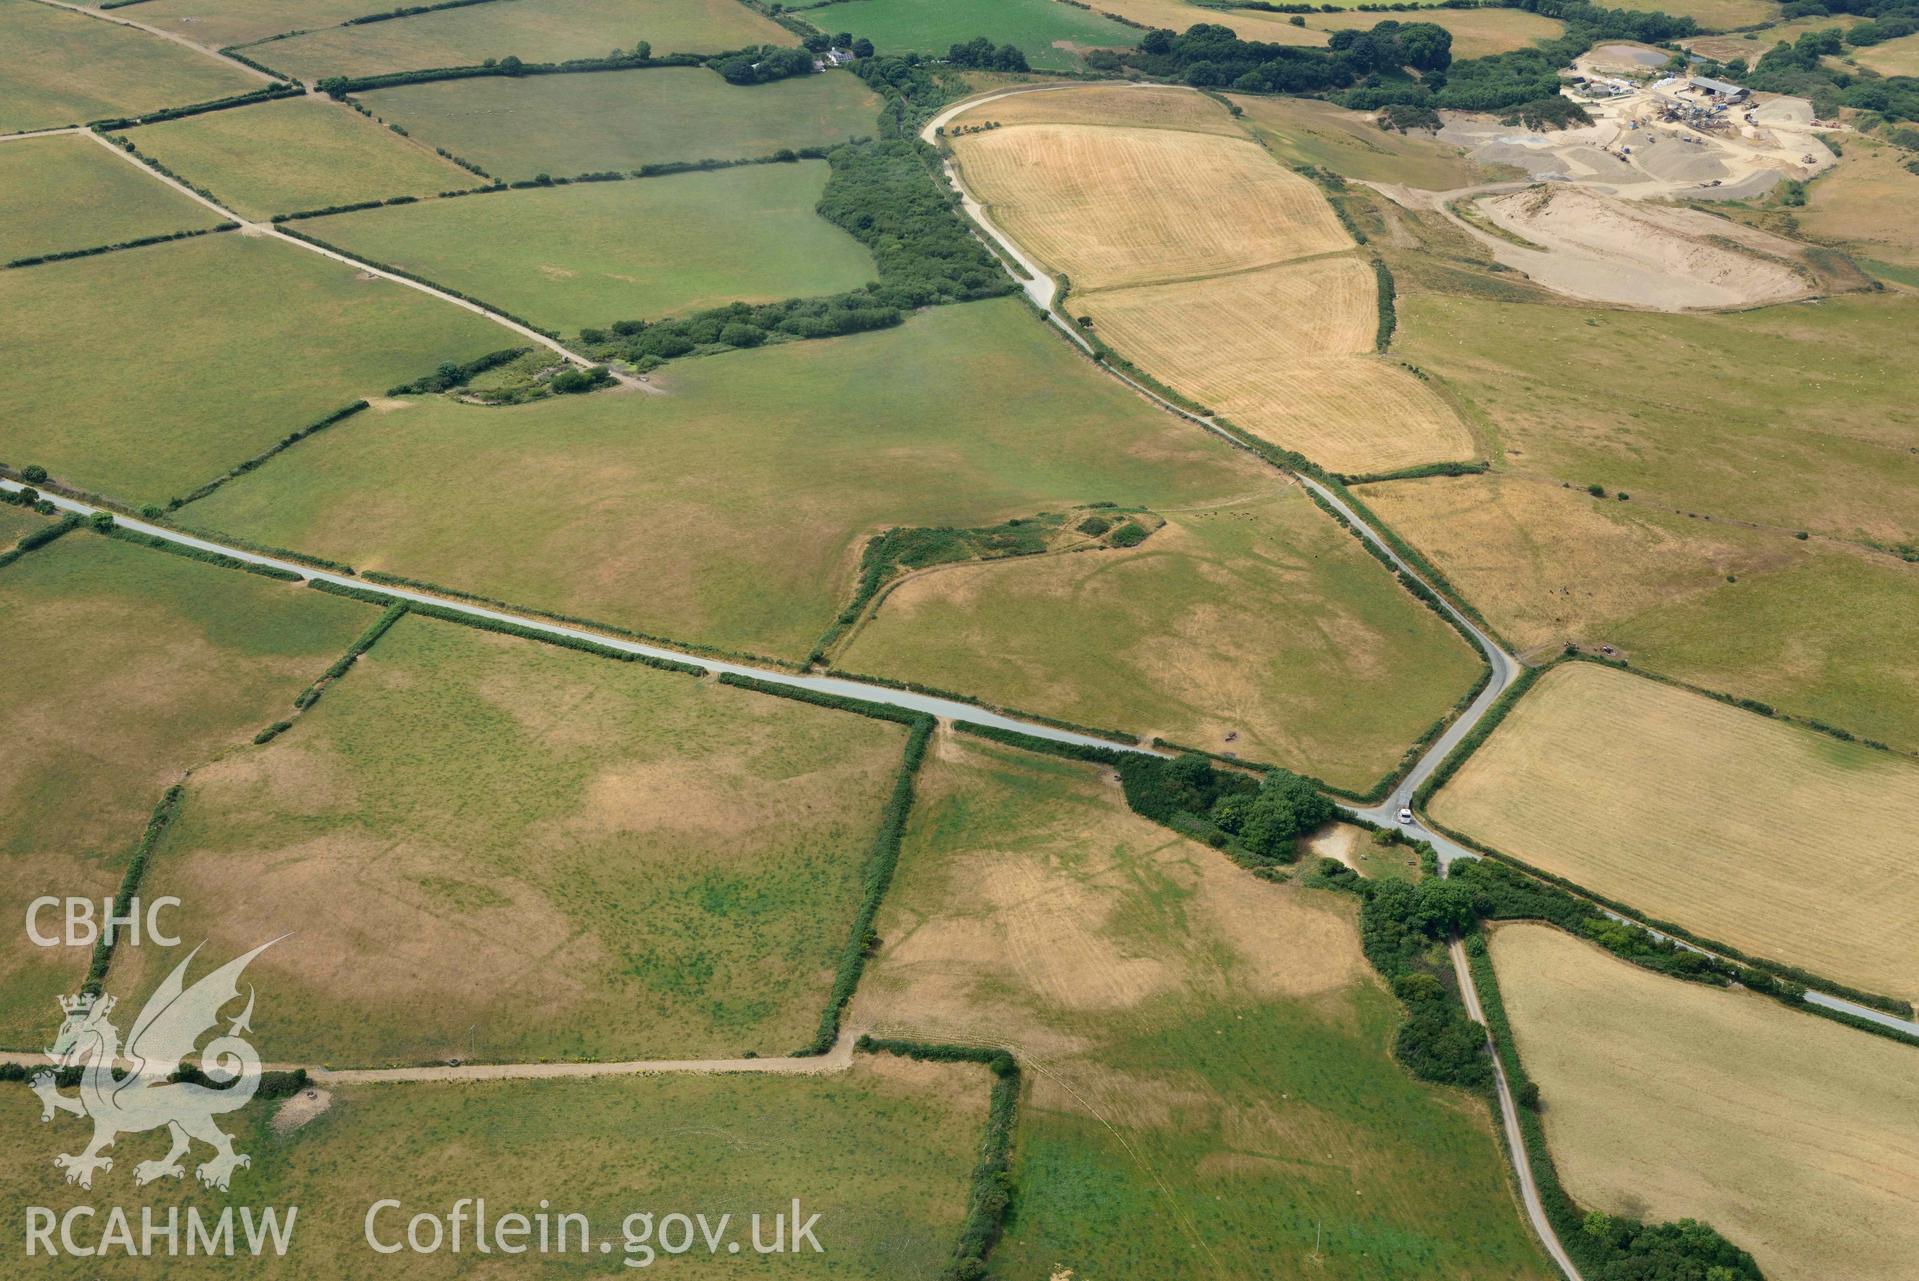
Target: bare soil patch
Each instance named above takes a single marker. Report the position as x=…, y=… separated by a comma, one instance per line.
x=1607, y=250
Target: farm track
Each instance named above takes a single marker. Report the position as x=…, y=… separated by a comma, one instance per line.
x=836, y=1060
x=174, y=36
x=248, y=227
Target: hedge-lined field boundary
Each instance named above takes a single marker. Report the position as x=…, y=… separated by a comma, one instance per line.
x=392, y=270
x=877, y=877
x=341, y=86
x=141, y=242
x=157, y=823
x=171, y=548
x=990, y=1195
x=38, y=538
x=291, y=439
x=311, y=694
x=268, y=94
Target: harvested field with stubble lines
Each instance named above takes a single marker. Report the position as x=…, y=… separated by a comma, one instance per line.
x=492, y=848
x=1211, y=1095
x=1771, y=838
x=1138, y=106
x=1195, y=204
x=1796, y=1138
x=1286, y=353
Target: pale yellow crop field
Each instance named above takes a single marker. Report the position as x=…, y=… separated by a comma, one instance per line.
x=1137, y=106
x=1766, y=836
x=1286, y=353
x=1123, y=206
x=1797, y=1138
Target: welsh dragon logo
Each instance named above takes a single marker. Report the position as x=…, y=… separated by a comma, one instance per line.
x=143, y=1098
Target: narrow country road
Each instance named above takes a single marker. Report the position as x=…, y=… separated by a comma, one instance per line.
x=946, y=709
x=1509, y=1119
x=1505, y=669
x=1042, y=289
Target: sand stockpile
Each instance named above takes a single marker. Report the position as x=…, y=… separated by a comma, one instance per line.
x=1607, y=250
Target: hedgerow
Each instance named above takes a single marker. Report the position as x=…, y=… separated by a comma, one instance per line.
x=876, y=877
x=200, y=554
x=285, y=442
x=64, y=255
x=311, y=694
x=990, y=1194
x=157, y=824
x=1606, y=1247
x=39, y=538
x=267, y=94
x=453, y=374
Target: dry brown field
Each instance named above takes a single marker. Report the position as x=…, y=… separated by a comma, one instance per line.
x=1797, y=1138
x=1771, y=838
x=1476, y=32
x=1286, y=353
x=124, y=668
x=1865, y=202
x=1813, y=627
x=1194, y=204
x=1257, y=627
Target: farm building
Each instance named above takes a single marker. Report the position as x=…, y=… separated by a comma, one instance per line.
x=1720, y=90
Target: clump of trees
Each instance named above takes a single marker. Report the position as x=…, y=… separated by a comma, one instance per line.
x=764, y=65
x=980, y=54
x=1684, y=1251
x=1801, y=67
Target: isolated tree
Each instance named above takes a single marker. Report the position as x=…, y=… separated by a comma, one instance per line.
x=862, y=48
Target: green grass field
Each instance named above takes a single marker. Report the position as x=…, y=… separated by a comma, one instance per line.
x=221, y=23
x=1794, y=417
x=492, y=848
x=566, y=125
x=143, y=374
x=297, y=153
x=124, y=668
x=531, y=30
x=66, y=193
x=1211, y=1090
x=731, y=511
x=589, y=254
x=63, y=68
x=1049, y=34
x=1259, y=628
x=882, y=1153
